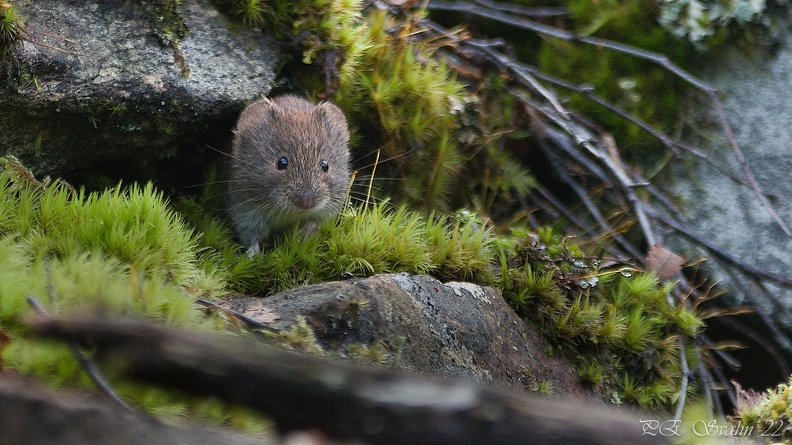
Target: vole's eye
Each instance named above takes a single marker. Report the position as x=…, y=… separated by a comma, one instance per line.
x=325, y=166
x=282, y=163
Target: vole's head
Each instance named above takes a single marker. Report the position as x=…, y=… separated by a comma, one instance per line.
x=293, y=158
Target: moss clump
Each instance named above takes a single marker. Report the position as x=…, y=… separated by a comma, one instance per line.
x=12, y=28
x=400, y=99
x=118, y=252
x=361, y=241
x=618, y=324
x=766, y=414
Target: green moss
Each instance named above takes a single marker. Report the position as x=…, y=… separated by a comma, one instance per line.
x=592, y=374
x=361, y=241
x=767, y=414
x=118, y=252
x=300, y=337
x=325, y=33
x=618, y=323
x=12, y=28
x=399, y=98
x=170, y=29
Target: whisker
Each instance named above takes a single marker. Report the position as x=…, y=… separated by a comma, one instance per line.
x=236, y=158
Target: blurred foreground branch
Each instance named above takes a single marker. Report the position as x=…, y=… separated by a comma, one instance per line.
x=340, y=399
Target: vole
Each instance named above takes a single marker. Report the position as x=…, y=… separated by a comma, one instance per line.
x=289, y=167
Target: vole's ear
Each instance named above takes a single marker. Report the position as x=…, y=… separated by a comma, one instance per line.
x=261, y=110
x=332, y=116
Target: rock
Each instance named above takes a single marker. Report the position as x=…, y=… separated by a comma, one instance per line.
x=452, y=329
x=123, y=91
x=755, y=92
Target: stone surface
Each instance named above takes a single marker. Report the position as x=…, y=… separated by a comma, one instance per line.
x=755, y=91
x=95, y=87
x=453, y=329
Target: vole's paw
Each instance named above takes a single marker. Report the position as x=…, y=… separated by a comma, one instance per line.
x=253, y=249
x=308, y=229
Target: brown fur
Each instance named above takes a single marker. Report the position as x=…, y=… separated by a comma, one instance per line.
x=265, y=200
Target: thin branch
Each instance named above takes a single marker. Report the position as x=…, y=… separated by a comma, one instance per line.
x=56, y=48
x=241, y=317
x=621, y=177
x=525, y=10
x=706, y=383
x=744, y=163
x=685, y=380
x=587, y=202
x=525, y=77
x=486, y=49
x=723, y=255
x=558, y=206
x=761, y=341
x=51, y=36
x=726, y=384
x=90, y=368
x=659, y=59
x=524, y=23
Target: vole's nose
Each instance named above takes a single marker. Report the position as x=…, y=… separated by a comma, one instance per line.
x=305, y=200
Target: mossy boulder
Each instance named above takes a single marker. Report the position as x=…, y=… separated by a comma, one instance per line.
x=416, y=322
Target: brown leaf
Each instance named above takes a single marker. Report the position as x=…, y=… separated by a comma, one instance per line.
x=664, y=262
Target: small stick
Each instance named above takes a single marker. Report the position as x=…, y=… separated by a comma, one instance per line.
x=88, y=366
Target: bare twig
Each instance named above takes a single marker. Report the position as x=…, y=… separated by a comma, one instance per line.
x=582, y=194
x=659, y=59
x=716, y=251
x=524, y=23
x=741, y=158
x=90, y=368
x=683, y=387
x=525, y=10
x=241, y=317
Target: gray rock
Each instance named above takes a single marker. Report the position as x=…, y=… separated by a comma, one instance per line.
x=96, y=85
x=454, y=329
x=755, y=91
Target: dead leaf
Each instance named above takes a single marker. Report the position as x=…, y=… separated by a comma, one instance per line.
x=665, y=263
